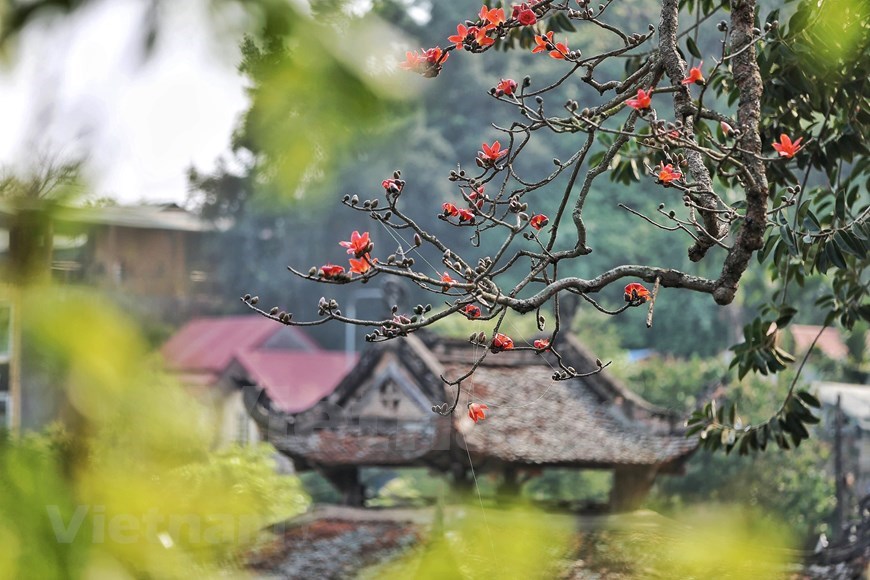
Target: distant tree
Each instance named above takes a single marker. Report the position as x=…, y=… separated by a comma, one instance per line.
x=32, y=195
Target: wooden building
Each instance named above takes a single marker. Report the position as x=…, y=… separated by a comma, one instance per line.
x=380, y=414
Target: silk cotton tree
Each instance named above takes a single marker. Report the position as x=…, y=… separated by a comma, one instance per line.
x=710, y=158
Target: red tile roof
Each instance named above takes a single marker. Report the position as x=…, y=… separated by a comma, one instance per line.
x=209, y=344
x=295, y=380
x=830, y=342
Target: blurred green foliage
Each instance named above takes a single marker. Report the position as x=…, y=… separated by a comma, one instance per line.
x=131, y=487
x=712, y=542
x=514, y=542
x=793, y=487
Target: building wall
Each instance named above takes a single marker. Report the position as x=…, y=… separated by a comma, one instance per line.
x=145, y=262
x=236, y=425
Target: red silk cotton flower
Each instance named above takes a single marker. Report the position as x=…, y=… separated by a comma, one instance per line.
x=477, y=197
x=696, y=77
x=539, y=221
x=785, y=147
x=557, y=50
x=477, y=411
x=667, y=173
x=449, y=209
x=330, y=271
x=427, y=62
x=636, y=292
x=643, y=100
x=465, y=215
x=505, y=87
x=358, y=244
x=492, y=16
x=393, y=185
x=433, y=55
x=491, y=153
x=542, y=344
x=472, y=311
x=501, y=342
x=481, y=38
x=463, y=33
x=524, y=15
x=362, y=265
x=446, y=281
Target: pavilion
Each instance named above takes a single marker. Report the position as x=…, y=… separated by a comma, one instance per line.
x=380, y=415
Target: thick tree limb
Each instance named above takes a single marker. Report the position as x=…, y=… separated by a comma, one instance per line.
x=748, y=80
x=683, y=109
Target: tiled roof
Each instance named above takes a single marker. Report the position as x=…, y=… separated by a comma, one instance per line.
x=830, y=342
x=209, y=344
x=295, y=380
x=533, y=420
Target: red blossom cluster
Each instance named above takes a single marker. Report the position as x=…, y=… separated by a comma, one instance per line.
x=359, y=247
x=464, y=215
x=477, y=37
x=427, y=62
x=491, y=23
x=524, y=14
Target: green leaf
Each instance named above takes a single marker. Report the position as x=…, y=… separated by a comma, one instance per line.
x=763, y=434
x=811, y=224
x=850, y=244
x=693, y=430
x=693, y=48
x=809, y=399
x=787, y=237
x=769, y=244
x=834, y=255
x=785, y=316
x=840, y=206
